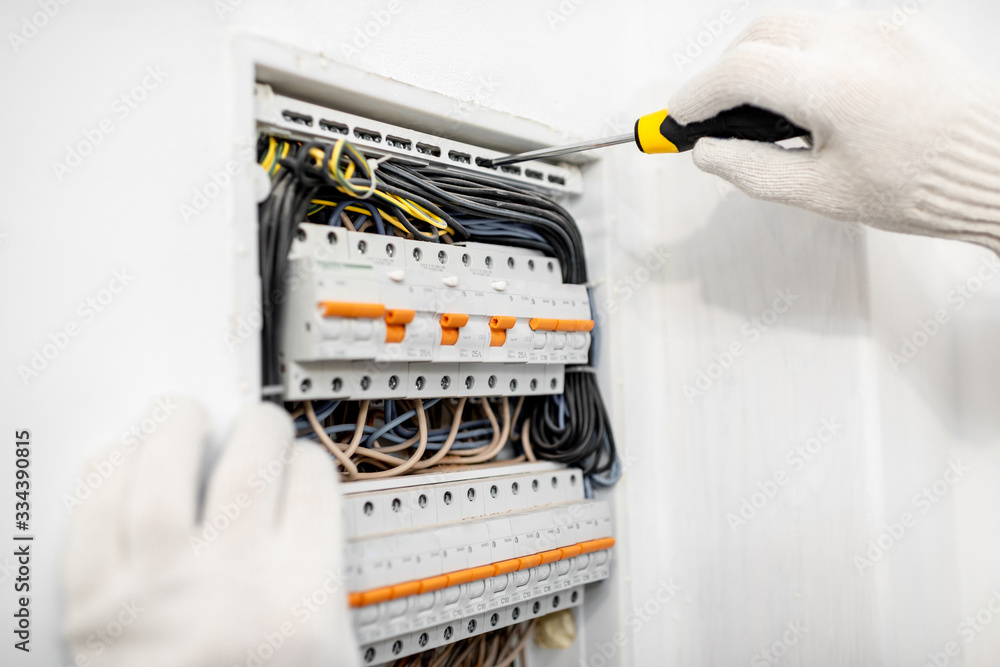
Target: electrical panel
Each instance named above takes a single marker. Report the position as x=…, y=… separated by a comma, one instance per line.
x=372, y=316
x=441, y=360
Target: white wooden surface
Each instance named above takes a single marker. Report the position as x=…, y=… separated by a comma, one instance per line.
x=690, y=462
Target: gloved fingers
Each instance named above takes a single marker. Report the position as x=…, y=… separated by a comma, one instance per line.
x=245, y=488
x=756, y=73
x=162, y=503
x=789, y=28
x=95, y=548
x=310, y=510
x=764, y=171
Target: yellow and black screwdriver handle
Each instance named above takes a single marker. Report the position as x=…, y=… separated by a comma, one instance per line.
x=659, y=133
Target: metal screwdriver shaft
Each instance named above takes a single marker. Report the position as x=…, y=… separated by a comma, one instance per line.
x=562, y=150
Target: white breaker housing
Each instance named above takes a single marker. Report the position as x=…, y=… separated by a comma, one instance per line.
x=329, y=352
x=434, y=563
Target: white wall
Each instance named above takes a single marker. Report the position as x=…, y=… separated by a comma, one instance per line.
x=692, y=461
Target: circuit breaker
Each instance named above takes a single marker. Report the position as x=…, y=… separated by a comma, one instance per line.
x=373, y=316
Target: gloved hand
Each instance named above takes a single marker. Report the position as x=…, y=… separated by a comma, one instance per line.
x=906, y=132
x=253, y=583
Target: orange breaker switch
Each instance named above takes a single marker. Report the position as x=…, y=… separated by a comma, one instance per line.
x=350, y=309
x=498, y=329
x=450, y=324
x=399, y=316
x=396, y=320
x=502, y=322
x=575, y=325
x=394, y=333
x=543, y=324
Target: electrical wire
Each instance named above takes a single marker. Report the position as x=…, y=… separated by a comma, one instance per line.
x=328, y=184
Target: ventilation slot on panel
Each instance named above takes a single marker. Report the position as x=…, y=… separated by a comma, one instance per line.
x=298, y=118
x=367, y=135
x=531, y=173
x=427, y=149
x=331, y=126
x=397, y=142
x=464, y=158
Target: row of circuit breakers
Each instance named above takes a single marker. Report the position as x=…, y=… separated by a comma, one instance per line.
x=431, y=564
x=433, y=559
x=373, y=316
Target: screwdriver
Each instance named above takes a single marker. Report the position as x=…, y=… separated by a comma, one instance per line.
x=658, y=132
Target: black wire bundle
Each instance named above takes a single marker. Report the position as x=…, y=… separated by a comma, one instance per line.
x=491, y=198
x=279, y=216
x=571, y=428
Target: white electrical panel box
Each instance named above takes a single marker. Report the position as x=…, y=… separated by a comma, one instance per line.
x=436, y=557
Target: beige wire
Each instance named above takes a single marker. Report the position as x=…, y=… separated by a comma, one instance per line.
x=359, y=430
x=500, y=441
x=493, y=441
x=334, y=448
x=456, y=423
x=440, y=660
x=517, y=411
x=347, y=221
x=520, y=646
x=409, y=463
x=526, y=440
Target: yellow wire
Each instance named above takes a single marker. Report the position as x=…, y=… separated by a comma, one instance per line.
x=284, y=153
x=343, y=178
x=271, y=145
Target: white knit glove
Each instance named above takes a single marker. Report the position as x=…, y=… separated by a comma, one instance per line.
x=254, y=583
x=906, y=132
